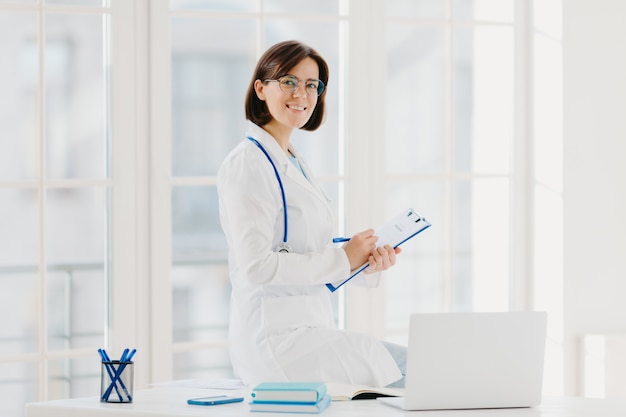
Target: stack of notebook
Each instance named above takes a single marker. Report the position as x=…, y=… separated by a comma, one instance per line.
x=290, y=397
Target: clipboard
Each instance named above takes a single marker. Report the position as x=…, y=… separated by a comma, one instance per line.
x=400, y=228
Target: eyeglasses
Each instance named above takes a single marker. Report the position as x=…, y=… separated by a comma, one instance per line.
x=289, y=84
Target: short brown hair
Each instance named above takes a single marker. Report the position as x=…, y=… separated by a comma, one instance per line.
x=275, y=63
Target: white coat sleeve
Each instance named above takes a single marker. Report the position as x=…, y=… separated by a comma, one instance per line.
x=250, y=206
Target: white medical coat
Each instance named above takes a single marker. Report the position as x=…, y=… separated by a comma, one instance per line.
x=281, y=320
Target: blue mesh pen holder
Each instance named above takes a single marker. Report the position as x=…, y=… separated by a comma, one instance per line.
x=116, y=381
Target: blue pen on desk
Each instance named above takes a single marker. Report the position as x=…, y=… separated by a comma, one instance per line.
x=340, y=239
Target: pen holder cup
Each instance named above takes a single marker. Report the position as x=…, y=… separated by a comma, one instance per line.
x=116, y=382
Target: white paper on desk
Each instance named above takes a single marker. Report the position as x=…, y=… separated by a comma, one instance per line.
x=395, y=232
x=225, y=384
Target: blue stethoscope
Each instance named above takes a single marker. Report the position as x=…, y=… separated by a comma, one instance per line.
x=284, y=246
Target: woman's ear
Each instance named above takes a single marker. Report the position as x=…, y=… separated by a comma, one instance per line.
x=258, y=88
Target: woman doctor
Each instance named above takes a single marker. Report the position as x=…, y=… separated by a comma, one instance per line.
x=281, y=318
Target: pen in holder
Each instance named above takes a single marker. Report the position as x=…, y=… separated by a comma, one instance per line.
x=117, y=378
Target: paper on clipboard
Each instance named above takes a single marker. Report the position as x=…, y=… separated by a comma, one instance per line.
x=395, y=232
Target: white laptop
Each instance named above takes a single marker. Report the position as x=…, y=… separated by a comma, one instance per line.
x=473, y=360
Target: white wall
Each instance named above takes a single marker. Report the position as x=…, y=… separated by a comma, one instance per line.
x=595, y=173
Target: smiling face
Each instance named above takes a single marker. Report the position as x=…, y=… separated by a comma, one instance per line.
x=289, y=111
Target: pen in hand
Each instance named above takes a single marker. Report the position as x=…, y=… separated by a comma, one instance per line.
x=340, y=239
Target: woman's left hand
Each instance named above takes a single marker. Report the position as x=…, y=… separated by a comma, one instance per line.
x=382, y=258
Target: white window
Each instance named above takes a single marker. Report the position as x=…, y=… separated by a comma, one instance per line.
x=56, y=189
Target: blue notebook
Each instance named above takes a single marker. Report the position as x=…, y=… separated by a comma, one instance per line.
x=395, y=232
x=289, y=392
x=292, y=407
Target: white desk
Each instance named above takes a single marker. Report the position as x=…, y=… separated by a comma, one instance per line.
x=172, y=402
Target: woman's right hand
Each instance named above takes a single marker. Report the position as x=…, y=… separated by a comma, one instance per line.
x=359, y=247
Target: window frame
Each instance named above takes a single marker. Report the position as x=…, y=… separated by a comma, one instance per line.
x=362, y=310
